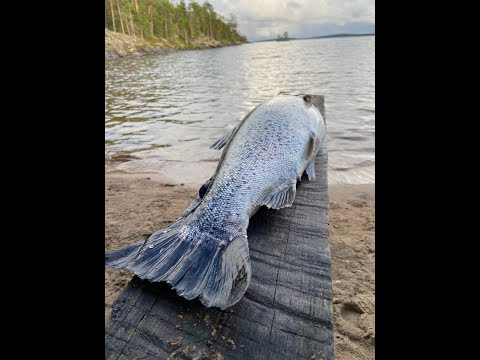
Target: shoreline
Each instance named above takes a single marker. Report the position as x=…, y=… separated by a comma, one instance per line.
x=139, y=204
x=119, y=45
x=160, y=50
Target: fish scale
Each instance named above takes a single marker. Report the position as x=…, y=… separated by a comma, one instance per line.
x=268, y=151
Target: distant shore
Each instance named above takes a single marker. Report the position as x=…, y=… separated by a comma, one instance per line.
x=119, y=45
x=137, y=205
x=318, y=37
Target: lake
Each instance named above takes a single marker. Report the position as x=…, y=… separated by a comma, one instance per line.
x=163, y=111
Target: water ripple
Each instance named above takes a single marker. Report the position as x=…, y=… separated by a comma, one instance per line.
x=162, y=112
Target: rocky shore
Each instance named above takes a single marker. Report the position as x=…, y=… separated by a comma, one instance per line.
x=121, y=45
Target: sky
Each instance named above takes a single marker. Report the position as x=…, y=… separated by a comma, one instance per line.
x=265, y=19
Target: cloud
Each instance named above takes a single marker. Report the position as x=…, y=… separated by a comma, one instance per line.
x=266, y=18
x=293, y=6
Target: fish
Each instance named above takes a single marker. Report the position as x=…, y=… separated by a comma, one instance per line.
x=204, y=254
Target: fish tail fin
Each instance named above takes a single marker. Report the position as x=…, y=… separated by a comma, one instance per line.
x=217, y=272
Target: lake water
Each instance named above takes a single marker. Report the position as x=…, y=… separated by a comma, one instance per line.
x=162, y=112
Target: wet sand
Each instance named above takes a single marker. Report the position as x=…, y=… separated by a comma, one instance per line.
x=138, y=205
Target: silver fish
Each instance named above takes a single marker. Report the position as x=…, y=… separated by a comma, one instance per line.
x=205, y=252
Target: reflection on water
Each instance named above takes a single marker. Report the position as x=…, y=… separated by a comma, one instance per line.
x=162, y=112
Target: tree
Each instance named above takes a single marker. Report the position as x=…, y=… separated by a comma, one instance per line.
x=164, y=19
x=113, y=15
x=232, y=22
x=120, y=16
x=181, y=20
x=131, y=25
x=208, y=8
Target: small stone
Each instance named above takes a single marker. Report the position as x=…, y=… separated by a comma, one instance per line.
x=217, y=356
x=176, y=343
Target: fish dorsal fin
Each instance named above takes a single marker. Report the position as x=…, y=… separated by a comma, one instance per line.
x=225, y=139
x=281, y=198
x=220, y=143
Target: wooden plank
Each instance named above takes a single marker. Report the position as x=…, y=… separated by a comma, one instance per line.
x=285, y=313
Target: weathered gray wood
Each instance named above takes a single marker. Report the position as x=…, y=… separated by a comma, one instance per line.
x=286, y=312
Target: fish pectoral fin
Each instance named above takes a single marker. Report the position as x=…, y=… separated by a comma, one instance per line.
x=281, y=198
x=312, y=150
x=310, y=170
x=313, y=145
x=220, y=143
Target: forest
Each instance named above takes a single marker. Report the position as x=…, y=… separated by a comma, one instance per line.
x=156, y=19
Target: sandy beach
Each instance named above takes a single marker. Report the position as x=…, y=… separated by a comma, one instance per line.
x=138, y=205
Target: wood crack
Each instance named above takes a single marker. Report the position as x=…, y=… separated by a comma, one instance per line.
x=135, y=330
